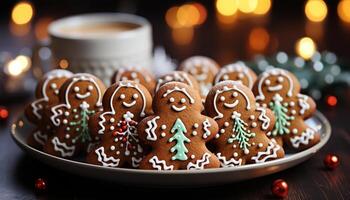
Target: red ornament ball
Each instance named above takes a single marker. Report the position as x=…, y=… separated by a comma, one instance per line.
x=280, y=188
x=331, y=161
x=40, y=184
x=4, y=114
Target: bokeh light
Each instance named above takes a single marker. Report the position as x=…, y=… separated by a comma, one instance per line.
x=188, y=15
x=226, y=7
x=316, y=10
x=18, y=65
x=19, y=30
x=332, y=100
x=170, y=17
x=305, y=47
x=344, y=10
x=22, y=13
x=202, y=11
x=262, y=7
x=258, y=39
x=182, y=36
x=40, y=29
x=247, y=6
x=63, y=64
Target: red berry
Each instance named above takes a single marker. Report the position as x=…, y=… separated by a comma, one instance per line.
x=40, y=184
x=123, y=123
x=124, y=139
x=280, y=188
x=120, y=130
x=115, y=133
x=124, y=128
x=331, y=161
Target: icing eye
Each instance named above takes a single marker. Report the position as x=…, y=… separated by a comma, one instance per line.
x=280, y=79
x=183, y=100
x=53, y=86
x=172, y=99
x=124, y=78
x=225, y=77
x=234, y=94
x=135, y=96
x=240, y=75
x=222, y=98
x=76, y=89
x=90, y=87
x=122, y=96
x=267, y=82
x=133, y=75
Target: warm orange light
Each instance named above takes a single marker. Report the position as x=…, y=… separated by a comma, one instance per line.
x=344, y=10
x=259, y=39
x=226, y=19
x=19, y=30
x=305, y=47
x=202, y=11
x=63, y=64
x=182, y=36
x=18, y=66
x=22, y=13
x=262, y=7
x=188, y=15
x=247, y=6
x=316, y=10
x=226, y=7
x=41, y=28
x=170, y=17
x=332, y=100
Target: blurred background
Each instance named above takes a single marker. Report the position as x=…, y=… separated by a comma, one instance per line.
x=308, y=37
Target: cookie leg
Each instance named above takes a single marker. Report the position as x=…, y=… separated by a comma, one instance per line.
x=270, y=151
x=104, y=157
x=37, y=139
x=59, y=147
x=229, y=161
x=304, y=139
x=206, y=160
x=156, y=162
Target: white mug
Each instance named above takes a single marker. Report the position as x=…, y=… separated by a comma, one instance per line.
x=101, y=52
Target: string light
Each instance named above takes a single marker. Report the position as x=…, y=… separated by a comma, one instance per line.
x=226, y=7
x=18, y=65
x=344, y=10
x=258, y=39
x=22, y=13
x=316, y=10
x=63, y=64
x=305, y=47
x=247, y=6
x=263, y=7
x=202, y=11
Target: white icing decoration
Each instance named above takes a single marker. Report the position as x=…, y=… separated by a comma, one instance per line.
x=200, y=164
x=304, y=138
x=129, y=105
x=206, y=125
x=150, y=130
x=225, y=89
x=104, y=160
x=40, y=137
x=113, y=112
x=135, y=162
x=160, y=164
x=175, y=76
x=178, y=109
x=302, y=100
x=163, y=127
x=262, y=156
x=62, y=148
x=273, y=72
x=263, y=118
x=228, y=163
x=232, y=68
x=178, y=89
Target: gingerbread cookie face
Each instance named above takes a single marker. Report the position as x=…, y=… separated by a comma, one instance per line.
x=178, y=76
x=236, y=72
x=80, y=97
x=141, y=76
x=279, y=90
x=177, y=132
x=125, y=103
x=203, y=69
x=47, y=94
x=243, y=126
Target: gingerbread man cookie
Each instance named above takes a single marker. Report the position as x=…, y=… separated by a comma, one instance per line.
x=138, y=75
x=236, y=72
x=203, y=69
x=279, y=90
x=46, y=94
x=178, y=76
x=243, y=126
x=125, y=103
x=80, y=97
x=177, y=132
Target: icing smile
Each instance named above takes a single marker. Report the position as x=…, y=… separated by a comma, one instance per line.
x=82, y=96
x=177, y=108
x=128, y=105
x=275, y=88
x=231, y=105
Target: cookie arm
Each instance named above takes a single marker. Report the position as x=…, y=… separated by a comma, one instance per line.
x=306, y=105
x=212, y=126
x=147, y=129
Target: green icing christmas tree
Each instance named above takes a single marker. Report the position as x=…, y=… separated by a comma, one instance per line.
x=241, y=134
x=282, y=118
x=179, y=129
x=82, y=124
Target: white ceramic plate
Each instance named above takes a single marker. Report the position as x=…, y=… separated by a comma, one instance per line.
x=179, y=178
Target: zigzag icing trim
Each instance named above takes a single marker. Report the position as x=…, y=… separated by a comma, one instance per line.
x=62, y=147
x=160, y=164
x=104, y=160
x=302, y=100
x=272, y=146
x=263, y=118
x=304, y=138
x=39, y=137
x=228, y=163
x=199, y=163
x=152, y=126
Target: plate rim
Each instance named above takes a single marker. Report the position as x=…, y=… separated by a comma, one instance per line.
x=312, y=150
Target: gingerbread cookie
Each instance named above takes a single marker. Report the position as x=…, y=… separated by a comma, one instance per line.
x=80, y=97
x=236, y=72
x=177, y=132
x=125, y=103
x=279, y=90
x=178, y=76
x=243, y=126
x=46, y=94
x=203, y=69
x=141, y=76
